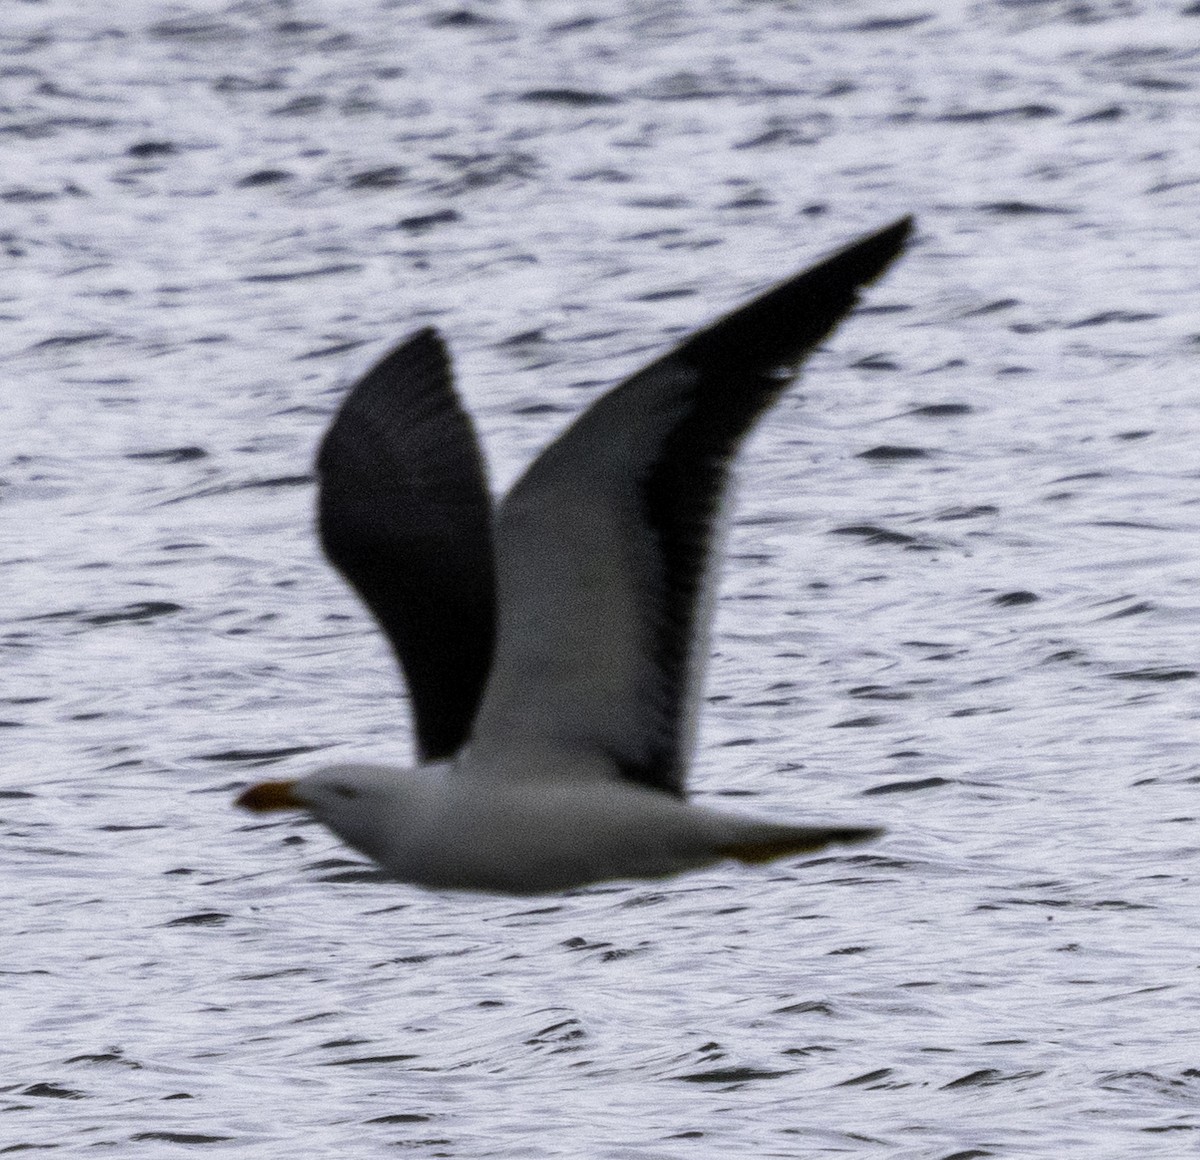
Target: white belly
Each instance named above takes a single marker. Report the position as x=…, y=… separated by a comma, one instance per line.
x=537, y=836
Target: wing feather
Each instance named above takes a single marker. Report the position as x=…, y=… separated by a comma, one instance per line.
x=604, y=546
x=405, y=515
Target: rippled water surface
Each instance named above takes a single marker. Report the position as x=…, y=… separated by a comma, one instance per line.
x=960, y=598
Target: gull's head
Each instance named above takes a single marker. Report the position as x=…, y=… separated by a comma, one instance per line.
x=355, y=801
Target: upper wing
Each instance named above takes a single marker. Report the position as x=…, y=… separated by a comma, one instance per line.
x=404, y=514
x=603, y=546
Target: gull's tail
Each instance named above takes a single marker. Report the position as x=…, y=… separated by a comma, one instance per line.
x=783, y=841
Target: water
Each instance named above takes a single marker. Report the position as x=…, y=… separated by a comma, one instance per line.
x=215, y=217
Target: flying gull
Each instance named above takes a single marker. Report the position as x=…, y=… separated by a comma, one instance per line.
x=554, y=647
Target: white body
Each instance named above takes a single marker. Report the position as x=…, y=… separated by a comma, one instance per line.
x=448, y=827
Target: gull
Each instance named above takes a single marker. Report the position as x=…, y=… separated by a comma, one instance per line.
x=554, y=646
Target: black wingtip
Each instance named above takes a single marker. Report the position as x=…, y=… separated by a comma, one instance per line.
x=426, y=335
x=411, y=369
x=877, y=251
x=781, y=326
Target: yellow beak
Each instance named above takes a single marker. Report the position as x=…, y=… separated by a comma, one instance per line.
x=270, y=795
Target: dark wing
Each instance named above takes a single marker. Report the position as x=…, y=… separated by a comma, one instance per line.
x=404, y=514
x=604, y=545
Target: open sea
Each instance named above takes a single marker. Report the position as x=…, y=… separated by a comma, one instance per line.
x=961, y=597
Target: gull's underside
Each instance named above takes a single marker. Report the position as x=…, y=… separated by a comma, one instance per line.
x=553, y=647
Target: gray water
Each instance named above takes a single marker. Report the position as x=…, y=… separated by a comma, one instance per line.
x=214, y=216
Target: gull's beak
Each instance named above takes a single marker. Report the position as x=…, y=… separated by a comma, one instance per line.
x=271, y=795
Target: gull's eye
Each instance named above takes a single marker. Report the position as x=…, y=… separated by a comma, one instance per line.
x=345, y=791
